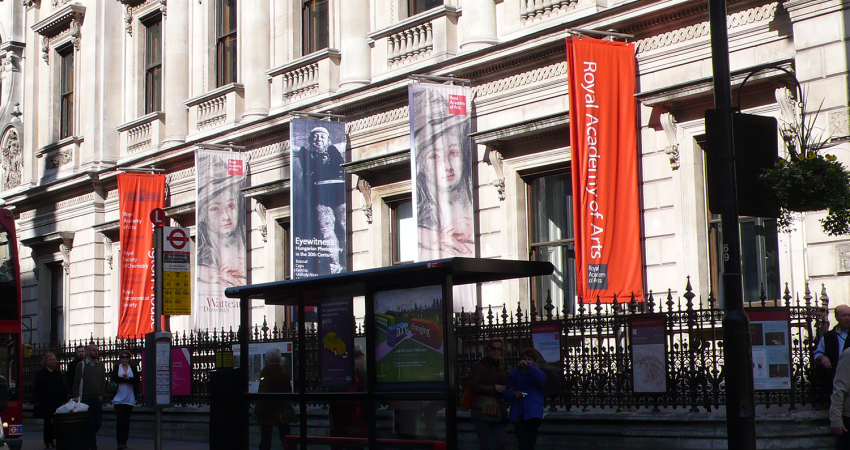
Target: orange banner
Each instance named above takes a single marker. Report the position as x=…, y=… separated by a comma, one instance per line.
x=138, y=194
x=603, y=139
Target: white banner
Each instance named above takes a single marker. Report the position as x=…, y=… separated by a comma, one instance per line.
x=221, y=237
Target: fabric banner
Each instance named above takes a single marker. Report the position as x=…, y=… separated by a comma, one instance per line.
x=603, y=140
x=138, y=194
x=318, y=197
x=441, y=165
x=221, y=237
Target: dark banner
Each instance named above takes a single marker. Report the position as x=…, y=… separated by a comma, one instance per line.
x=221, y=237
x=318, y=197
x=604, y=159
x=138, y=194
x=336, y=329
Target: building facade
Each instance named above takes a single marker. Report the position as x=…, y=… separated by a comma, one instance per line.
x=91, y=88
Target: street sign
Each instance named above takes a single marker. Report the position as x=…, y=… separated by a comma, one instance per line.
x=158, y=217
x=176, y=279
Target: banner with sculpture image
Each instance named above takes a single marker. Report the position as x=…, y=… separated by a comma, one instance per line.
x=221, y=245
x=138, y=194
x=441, y=164
x=604, y=160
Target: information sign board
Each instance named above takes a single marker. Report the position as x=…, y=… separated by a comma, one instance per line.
x=176, y=277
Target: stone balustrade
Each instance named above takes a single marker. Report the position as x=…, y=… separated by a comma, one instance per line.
x=538, y=9
x=305, y=78
x=59, y=159
x=142, y=135
x=217, y=108
x=430, y=36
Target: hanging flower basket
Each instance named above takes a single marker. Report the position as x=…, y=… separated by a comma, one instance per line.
x=809, y=180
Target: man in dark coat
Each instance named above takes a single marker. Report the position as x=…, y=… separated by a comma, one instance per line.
x=49, y=393
x=79, y=355
x=833, y=343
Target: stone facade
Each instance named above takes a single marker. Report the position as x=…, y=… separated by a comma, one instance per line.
x=63, y=189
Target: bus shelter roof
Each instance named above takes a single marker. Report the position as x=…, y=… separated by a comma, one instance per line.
x=351, y=284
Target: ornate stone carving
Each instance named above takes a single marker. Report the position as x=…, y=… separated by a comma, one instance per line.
x=10, y=62
x=522, y=79
x=60, y=26
x=57, y=159
x=366, y=190
x=12, y=160
x=260, y=209
x=65, y=248
x=671, y=129
x=700, y=30
x=107, y=251
x=30, y=4
x=494, y=158
x=45, y=50
x=792, y=111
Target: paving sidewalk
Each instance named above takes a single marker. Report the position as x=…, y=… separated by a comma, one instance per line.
x=34, y=440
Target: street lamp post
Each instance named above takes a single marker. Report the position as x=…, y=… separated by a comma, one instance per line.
x=737, y=347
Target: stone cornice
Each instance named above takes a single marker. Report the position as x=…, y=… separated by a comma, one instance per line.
x=158, y=115
x=60, y=20
x=180, y=210
x=368, y=167
x=521, y=130
x=58, y=237
x=306, y=60
x=218, y=92
x=263, y=191
x=699, y=91
x=806, y=9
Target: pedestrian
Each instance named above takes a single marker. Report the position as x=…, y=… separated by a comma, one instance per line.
x=127, y=377
x=49, y=393
x=270, y=413
x=79, y=355
x=89, y=388
x=487, y=384
x=833, y=343
x=526, y=388
x=839, y=409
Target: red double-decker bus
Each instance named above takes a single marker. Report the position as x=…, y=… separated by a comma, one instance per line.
x=10, y=329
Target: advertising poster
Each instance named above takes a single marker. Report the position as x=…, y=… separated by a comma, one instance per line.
x=138, y=194
x=547, y=340
x=441, y=165
x=336, y=323
x=604, y=160
x=318, y=197
x=181, y=371
x=221, y=237
x=771, y=348
x=649, y=353
x=257, y=360
x=409, y=335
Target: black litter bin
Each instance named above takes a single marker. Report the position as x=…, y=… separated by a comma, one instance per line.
x=71, y=430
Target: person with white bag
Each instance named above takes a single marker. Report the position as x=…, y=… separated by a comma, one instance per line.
x=89, y=387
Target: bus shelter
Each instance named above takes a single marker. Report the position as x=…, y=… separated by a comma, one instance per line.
x=410, y=344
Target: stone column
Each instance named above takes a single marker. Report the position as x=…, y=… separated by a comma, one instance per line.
x=255, y=35
x=176, y=72
x=356, y=65
x=479, y=25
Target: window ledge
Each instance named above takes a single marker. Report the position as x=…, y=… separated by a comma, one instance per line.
x=144, y=119
x=419, y=19
x=218, y=92
x=303, y=61
x=58, y=144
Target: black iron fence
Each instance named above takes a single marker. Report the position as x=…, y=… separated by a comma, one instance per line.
x=596, y=351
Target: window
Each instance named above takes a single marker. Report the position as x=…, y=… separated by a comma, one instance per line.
x=759, y=256
x=417, y=6
x=66, y=92
x=153, y=64
x=551, y=236
x=57, y=287
x=226, y=42
x=285, y=250
x=314, y=13
x=403, y=232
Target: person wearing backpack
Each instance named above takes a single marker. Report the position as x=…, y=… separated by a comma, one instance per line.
x=526, y=387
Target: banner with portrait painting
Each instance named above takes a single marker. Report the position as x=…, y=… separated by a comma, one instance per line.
x=221, y=243
x=441, y=163
x=604, y=160
x=317, y=197
x=138, y=194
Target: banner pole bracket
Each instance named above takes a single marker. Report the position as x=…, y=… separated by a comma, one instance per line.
x=580, y=32
x=440, y=79
x=230, y=147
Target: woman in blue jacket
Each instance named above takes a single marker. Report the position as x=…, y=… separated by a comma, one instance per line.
x=526, y=384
